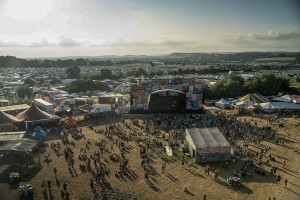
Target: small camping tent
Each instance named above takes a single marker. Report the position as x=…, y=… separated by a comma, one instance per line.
x=38, y=133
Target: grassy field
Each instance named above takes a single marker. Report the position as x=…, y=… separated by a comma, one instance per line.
x=168, y=185
x=274, y=59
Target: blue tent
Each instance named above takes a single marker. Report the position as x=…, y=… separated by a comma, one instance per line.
x=38, y=132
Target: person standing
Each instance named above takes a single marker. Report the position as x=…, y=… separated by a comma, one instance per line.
x=204, y=196
x=285, y=182
x=62, y=194
x=55, y=171
x=49, y=184
x=278, y=179
x=65, y=186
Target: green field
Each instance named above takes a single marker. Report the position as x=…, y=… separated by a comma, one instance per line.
x=276, y=59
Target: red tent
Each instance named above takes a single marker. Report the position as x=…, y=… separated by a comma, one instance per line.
x=296, y=96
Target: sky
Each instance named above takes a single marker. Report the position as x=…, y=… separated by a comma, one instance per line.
x=58, y=28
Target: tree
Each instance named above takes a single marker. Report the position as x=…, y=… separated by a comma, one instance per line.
x=83, y=85
x=232, y=86
x=141, y=72
x=107, y=74
x=54, y=81
x=29, y=82
x=265, y=84
x=73, y=72
x=24, y=91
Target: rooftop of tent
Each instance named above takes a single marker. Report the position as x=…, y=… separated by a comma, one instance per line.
x=23, y=145
x=15, y=107
x=207, y=138
x=9, y=136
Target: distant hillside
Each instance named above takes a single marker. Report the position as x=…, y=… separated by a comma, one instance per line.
x=233, y=57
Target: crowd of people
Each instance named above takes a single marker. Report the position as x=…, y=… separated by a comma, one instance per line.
x=154, y=133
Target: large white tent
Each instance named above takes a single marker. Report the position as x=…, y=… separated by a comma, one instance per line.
x=207, y=144
x=222, y=104
x=287, y=98
x=279, y=106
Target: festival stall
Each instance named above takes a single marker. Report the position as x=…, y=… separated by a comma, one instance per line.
x=222, y=104
x=207, y=144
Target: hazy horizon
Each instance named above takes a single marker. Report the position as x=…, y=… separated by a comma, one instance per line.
x=64, y=28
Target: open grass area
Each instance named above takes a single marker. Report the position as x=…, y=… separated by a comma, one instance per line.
x=170, y=184
x=274, y=59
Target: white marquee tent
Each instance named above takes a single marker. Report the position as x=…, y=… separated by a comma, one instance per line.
x=222, y=104
x=207, y=144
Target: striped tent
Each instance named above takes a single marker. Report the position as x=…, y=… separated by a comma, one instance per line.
x=254, y=98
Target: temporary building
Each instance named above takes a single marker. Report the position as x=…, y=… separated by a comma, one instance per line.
x=207, y=144
x=99, y=108
x=279, y=106
x=86, y=108
x=253, y=97
x=287, y=98
x=222, y=104
x=33, y=113
x=62, y=109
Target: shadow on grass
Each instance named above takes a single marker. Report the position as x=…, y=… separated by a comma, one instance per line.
x=195, y=173
x=241, y=188
x=173, y=178
x=297, y=193
x=153, y=187
x=189, y=193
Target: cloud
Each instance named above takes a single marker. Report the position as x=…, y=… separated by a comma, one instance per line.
x=276, y=35
x=268, y=36
x=157, y=42
x=66, y=41
x=270, y=39
x=8, y=44
x=61, y=41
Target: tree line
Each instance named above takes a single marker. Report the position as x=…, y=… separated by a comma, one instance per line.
x=11, y=61
x=235, y=86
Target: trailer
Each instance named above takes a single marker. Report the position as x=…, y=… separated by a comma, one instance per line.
x=44, y=105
